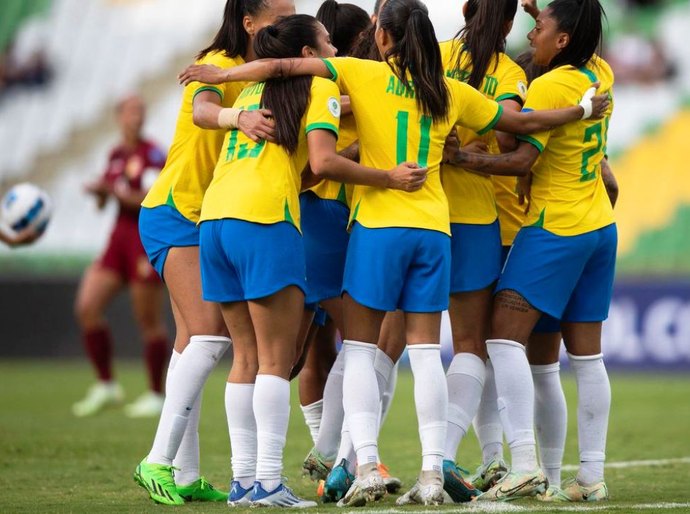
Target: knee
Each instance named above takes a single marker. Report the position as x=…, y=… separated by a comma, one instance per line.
x=86, y=314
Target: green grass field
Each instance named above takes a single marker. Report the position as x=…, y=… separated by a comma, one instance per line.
x=53, y=462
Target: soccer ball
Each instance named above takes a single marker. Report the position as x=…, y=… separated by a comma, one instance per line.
x=25, y=205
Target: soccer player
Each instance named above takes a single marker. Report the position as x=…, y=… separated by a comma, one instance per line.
x=260, y=284
x=562, y=261
x=132, y=166
x=168, y=227
x=399, y=249
x=476, y=56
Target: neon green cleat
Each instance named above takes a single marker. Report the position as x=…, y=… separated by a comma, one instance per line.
x=201, y=491
x=488, y=474
x=316, y=466
x=516, y=485
x=574, y=491
x=158, y=481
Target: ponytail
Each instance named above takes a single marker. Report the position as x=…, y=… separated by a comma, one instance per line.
x=344, y=22
x=231, y=38
x=483, y=35
x=415, y=52
x=582, y=20
x=287, y=98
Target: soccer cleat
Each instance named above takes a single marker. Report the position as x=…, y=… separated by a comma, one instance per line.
x=553, y=494
x=316, y=466
x=455, y=485
x=487, y=475
x=238, y=495
x=158, y=481
x=516, y=485
x=393, y=484
x=368, y=489
x=99, y=396
x=337, y=483
x=573, y=491
x=282, y=496
x=201, y=491
x=428, y=490
x=148, y=405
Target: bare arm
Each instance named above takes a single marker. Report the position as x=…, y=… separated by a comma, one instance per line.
x=610, y=182
x=507, y=142
x=255, y=71
x=209, y=114
x=24, y=237
x=129, y=199
x=326, y=163
x=517, y=163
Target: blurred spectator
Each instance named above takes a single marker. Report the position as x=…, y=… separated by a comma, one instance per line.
x=24, y=62
x=638, y=59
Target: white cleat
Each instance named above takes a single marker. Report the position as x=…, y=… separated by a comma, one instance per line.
x=516, y=485
x=99, y=396
x=428, y=490
x=148, y=405
x=365, y=490
x=282, y=496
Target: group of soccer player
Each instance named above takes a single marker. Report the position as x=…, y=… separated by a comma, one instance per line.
x=305, y=193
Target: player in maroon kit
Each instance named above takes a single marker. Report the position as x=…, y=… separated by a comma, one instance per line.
x=132, y=167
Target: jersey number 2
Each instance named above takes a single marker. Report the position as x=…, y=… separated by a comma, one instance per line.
x=597, y=131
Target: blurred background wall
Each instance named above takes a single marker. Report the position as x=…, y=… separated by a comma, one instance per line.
x=65, y=63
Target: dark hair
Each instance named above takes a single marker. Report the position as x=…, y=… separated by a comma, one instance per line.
x=415, y=51
x=287, y=98
x=483, y=35
x=377, y=6
x=231, y=38
x=582, y=21
x=526, y=62
x=344, y=22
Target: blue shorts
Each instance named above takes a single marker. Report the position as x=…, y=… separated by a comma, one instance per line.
x=241, y=260
x=398, y=268
x=162, y=228
x=546, y=324
x=569, y=278
x=320, y=315
x=324, y=231
x=475, y=256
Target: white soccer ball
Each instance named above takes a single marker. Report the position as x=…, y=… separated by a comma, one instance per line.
x=25, y=205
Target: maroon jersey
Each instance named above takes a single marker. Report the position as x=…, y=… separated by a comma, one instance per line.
x=126, y=169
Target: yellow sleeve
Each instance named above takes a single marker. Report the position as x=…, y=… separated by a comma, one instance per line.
x=324, y=107
x=474, y=110
x=540, y=96
x=217, y=59
x=347, y=72
x=513, y=84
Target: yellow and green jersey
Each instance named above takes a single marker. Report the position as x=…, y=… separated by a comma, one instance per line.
x=471, y=196
x=511, y=215
x=194, y=151
x=329, y=189
x=260, y=182
x=568, y=196
x=392, y=129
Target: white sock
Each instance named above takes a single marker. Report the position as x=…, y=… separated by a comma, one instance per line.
x=312, y=417
x=515, y=401
x=384, y=368
x=186, y=462
x=239, y=409
x=387, y=398
x=593, y=405
x=333, y=414
x=431, y=401
x=346, y=450
x=272, y=414
x=487, y=423
x=465, y=379
x=191, y=372
x=361, y=399
x=550, y=419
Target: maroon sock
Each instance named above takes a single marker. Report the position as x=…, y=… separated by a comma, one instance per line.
x=156, y=353
x=99, y=347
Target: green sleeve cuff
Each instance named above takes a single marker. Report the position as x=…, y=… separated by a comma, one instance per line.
x=331, y=68
x=510, y=96
x=532, y=141
x=208, y=88
x=322, y=126
x=493, y=122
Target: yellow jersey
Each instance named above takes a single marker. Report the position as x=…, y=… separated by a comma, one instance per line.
x=194, y=151
x=568, y=196
x=328, y=189
x=392, y=130
x=511, y=215
x=260, y=182
x=471, y=196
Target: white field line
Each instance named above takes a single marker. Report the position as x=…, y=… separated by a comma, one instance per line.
x=489, y=507
x=636, y=463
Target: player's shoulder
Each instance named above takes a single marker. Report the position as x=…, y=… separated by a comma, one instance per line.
x=220, y=59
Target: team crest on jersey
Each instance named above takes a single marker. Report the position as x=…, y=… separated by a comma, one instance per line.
x=334, y=106
x=522, y=88
x=134, y=167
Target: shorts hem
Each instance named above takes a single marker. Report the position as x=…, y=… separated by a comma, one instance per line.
x=551, y=313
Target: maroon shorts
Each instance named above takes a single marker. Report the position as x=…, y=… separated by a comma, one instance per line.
x=125, y=254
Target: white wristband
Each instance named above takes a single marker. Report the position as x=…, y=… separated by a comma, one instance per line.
x=229, y=118
x=586, y=103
